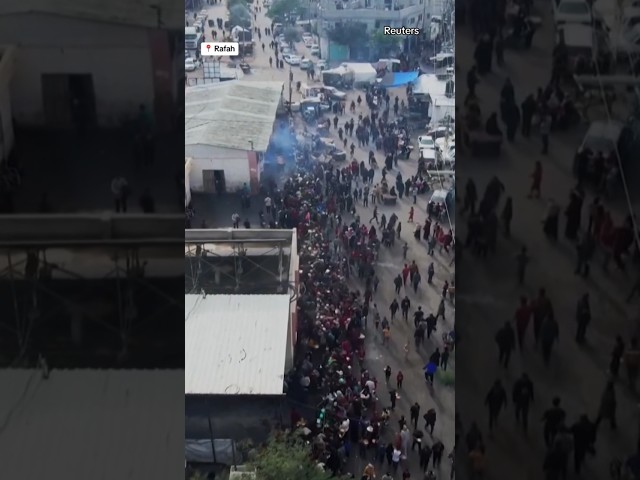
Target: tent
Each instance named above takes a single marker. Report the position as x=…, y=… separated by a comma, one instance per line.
x=398, y=79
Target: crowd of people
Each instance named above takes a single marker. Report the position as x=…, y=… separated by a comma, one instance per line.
x=570, y=438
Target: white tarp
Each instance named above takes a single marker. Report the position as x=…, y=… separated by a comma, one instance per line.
x=362, y=72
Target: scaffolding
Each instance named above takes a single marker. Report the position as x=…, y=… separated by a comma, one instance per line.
x=46, y=281
x=246, y=261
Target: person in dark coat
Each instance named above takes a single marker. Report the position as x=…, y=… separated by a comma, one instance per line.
x=522, y=397
x=495, y=400
x=608, y=404
x=506, y=340
x=584, y=436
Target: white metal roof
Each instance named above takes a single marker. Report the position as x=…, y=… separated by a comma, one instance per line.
x=235, y=114
x=98, y=424
x=235, y=344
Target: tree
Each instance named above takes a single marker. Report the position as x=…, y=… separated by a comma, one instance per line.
x=280, y=8
x=385, y=43
x=287, y=457
x=239, y=15
x=350, y=34
x=291, y=35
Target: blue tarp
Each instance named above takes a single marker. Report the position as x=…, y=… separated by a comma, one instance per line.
x=399, y=79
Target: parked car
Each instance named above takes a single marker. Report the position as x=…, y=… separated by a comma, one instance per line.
x=292, y=59
x=572, y=11
x=305, y=64
x=335, y=94
x=441, y=132
x=426, y=141
x=189, y=65
x=315, y=50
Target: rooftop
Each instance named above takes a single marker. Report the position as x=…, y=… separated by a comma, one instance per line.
x=143, y=13
x=108, y=424
x=235, y=344
x=430, y=84
x=236, y=114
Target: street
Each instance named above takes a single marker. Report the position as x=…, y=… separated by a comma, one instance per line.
x=577, y=374
x=389, y=265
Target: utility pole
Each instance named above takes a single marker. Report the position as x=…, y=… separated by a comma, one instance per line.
x=290, y=89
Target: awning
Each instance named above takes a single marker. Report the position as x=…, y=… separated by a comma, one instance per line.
x=398, y=79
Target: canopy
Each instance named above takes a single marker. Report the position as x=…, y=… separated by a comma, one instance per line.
x=398, y=79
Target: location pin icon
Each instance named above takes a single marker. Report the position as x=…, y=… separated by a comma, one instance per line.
x=208, y=47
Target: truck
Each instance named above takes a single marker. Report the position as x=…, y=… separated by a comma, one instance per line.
x=363, y=73
x=192, y=38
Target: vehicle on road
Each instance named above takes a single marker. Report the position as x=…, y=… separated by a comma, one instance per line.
x=426, y=141
x=305, y=64
x=321, y=65
x=315, y=50
x=334, y=94
x=189, y=65
x=292, y=59
x=308, y=41
x=572, y=11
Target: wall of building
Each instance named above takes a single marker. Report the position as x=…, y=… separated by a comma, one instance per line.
x=235, y=164
x=113, y=54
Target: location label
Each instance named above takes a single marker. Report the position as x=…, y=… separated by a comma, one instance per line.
x=220, y=49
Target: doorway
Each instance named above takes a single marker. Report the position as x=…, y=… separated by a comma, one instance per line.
x=208, y=181
x=213, y=181
x=69, y=100
x=220, y=183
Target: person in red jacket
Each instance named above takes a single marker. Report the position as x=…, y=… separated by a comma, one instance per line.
x=399, y=379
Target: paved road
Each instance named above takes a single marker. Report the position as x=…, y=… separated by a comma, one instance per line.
x=577, y=374
x=390, y=264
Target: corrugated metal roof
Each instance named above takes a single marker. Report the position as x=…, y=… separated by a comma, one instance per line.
x=97, y=424
x=235, y=344
x=142, y=13
x=235, y=114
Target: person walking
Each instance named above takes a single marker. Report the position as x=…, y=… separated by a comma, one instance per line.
x=405, y=305
x=430, y=420
x=522, y=397
x=608, y=404
x=523, y=316
x=552, y=419
x=495, y=401
x=375, y=215
x=393, y=308
x=414, y=414
x=120, y=190
x=548, y=336
x=506, y=340
x=583, y=318
x=431, y=270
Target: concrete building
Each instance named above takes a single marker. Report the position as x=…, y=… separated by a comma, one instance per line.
x=74, y=60
x=376, y=14
x=228, y=128
x=238, y=347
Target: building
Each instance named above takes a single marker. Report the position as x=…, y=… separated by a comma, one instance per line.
x=109, y=424
x=90, y=61
x=238, y=347
x=432, y=90
x=376, y=14
x=72, y=309
x=228, y=128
